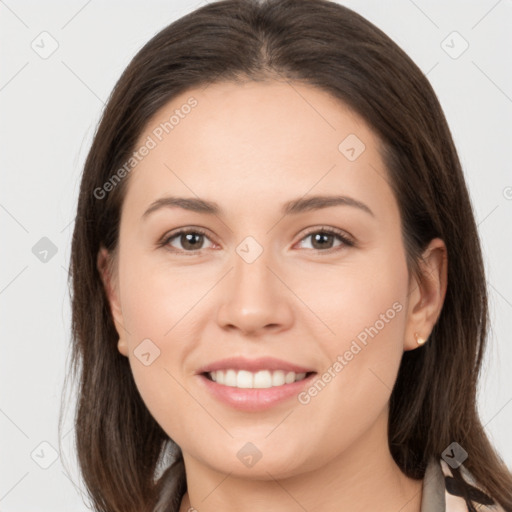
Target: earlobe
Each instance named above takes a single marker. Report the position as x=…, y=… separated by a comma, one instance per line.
x=122, y=346
x=426, y=295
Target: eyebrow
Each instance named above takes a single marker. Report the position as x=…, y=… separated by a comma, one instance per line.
x=292, y=207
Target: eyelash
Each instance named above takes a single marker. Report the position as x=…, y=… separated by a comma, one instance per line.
x=347, y=242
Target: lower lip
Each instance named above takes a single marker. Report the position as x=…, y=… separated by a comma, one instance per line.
x=248, y=399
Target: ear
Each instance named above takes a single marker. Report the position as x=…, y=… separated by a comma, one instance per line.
x=104, y=263
x=427, y=293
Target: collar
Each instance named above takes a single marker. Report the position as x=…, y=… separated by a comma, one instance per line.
x=445, y=490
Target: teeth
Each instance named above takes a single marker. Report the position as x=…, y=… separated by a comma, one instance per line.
x=261, y=379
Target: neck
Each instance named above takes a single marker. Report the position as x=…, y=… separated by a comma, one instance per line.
x=364, y=477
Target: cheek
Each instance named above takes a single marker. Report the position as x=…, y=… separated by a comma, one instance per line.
x=156, y=297
x=363, y=291
x=364, y=308
x=354, y=388
x=158, y=307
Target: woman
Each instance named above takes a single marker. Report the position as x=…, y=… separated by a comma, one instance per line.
x=278, y=291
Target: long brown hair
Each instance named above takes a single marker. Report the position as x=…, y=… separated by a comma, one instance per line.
x=119, y=444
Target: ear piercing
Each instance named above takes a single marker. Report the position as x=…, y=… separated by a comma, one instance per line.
x=419, y=339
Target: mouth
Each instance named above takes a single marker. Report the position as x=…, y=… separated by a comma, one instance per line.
x=253, y=385
x=254, y=392
x=261, y=379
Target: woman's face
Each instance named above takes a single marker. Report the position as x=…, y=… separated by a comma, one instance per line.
x=267, y=276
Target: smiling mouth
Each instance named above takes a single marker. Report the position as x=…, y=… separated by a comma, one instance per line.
x=255, y=380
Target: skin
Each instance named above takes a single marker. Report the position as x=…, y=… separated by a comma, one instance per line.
x=251, y=147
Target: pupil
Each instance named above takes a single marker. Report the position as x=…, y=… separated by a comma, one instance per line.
x=321, y=236
x=190, y=237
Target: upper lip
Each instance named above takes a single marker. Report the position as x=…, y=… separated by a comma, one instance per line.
x=253, y=365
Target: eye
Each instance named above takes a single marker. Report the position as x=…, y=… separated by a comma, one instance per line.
x=191, y=240
x=323, y=239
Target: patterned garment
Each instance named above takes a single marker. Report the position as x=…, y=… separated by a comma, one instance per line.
x=445, y=490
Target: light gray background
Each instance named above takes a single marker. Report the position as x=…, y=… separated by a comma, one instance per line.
x=49, y=109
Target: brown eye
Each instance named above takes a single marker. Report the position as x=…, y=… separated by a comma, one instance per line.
x=324, y=239
x=186, y=240
x=192, y=241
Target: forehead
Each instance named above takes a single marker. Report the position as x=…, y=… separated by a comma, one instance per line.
x=238, y=143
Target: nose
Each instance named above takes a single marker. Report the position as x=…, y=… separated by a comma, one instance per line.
x=255, y=300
